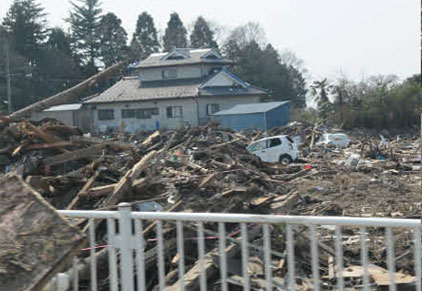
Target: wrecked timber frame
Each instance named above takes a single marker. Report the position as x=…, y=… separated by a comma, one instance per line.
x=126, y=242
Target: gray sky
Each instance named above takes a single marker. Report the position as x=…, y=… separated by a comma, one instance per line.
x=355, y=37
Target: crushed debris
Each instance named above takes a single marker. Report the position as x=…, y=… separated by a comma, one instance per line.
x=208, y=169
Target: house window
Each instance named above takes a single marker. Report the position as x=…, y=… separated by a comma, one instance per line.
x=212, y=108
x=174, y=111
x=169, y=74
x=128, y=113
x=146, y=113
x=106, y=114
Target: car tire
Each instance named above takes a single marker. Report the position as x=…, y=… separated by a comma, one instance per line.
x=285, y=159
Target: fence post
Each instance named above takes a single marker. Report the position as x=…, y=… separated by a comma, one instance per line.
x=126, y=256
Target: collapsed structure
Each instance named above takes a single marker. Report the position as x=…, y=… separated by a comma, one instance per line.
x=209, y=169
x=198, y=169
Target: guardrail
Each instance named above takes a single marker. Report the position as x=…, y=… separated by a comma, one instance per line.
x=128, y=242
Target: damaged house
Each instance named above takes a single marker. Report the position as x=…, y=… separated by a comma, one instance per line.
x=173, y=89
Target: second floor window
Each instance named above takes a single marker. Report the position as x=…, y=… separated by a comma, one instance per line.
x=106, y=114
x=169, y=74
x=212, y=108
x=174, y=111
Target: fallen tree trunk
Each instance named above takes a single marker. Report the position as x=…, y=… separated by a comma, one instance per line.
x=69, y=95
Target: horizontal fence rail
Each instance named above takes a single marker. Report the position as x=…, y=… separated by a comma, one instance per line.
x=271, y=238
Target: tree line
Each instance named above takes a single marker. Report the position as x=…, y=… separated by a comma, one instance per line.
x=376, y=102
x=44, y=60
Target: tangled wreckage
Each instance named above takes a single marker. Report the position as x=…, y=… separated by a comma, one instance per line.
x=48, y=166
x=203, y=169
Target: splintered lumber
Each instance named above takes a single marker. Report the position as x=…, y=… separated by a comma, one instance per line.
x=99, y=191
x=90, y=152
x=148, y=140
x=70, y=95
x=84, y=189
x=379, y=275
x=102, y=257
x=191, y=278
x=126, y=181
x=35, y=240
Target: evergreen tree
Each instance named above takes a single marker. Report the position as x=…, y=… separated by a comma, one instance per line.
x=144, y=40
x=113, y=39
x=261, y=66
x=175, y=35
x=321, y=90
x=26, y=24
x=60, y=41
x=84, y=20
x=202, y=36
x=57, y=69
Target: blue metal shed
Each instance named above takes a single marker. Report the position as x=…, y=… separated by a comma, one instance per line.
x=263, y=116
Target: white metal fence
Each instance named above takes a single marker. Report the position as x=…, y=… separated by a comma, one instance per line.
x=126, y=247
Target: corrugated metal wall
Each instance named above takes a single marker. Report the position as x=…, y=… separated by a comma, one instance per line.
x=242, y=121
x=276, y=117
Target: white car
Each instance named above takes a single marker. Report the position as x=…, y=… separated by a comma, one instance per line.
x=340, y=140
x=275, y=149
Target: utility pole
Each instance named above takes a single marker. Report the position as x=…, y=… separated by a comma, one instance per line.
x=9, y=88
x=420, y=100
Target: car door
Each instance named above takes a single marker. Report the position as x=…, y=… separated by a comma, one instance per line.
x=274, y=148
x=260, y=150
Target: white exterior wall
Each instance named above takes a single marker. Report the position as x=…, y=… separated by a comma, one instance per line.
x=224, y=102
x=183, y=72
x=134, y=125
x=193, y=108
x=65, y=116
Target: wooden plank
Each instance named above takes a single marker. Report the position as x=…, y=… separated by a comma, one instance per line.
x=125, y=183
x=59, y=144
x=84, y=189
x=35, y=240
x=148, y=140
x=90, y=152
x=99, y=191
x=191, y=278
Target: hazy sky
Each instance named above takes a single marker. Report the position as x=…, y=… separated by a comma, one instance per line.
x=355, y=37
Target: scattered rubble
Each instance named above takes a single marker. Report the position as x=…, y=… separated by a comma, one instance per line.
x=208, y=169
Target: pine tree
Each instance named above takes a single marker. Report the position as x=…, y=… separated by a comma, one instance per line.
x=320, y=91
x=144, y=40
x=202, y=36
x=113, y=39
x=59, y=67
x=261, y=65
x=84, y=20
x=26, y=25
x=59, y=40
x=175, y=35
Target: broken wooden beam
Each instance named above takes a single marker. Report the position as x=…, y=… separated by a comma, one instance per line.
x=91, y=152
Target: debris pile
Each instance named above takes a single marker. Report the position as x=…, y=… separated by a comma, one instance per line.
x=208, y=169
